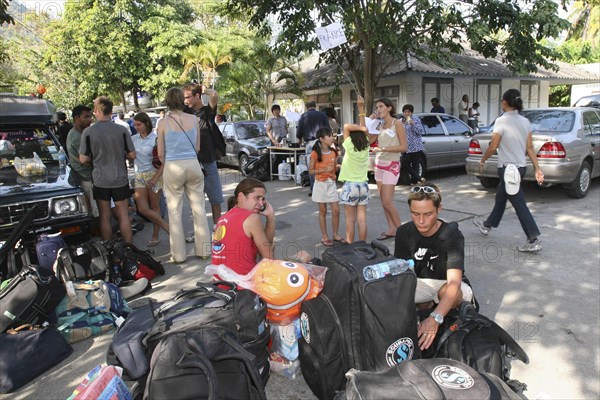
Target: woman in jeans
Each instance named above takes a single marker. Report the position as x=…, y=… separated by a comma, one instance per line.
x=512, y=138
x=178, y=145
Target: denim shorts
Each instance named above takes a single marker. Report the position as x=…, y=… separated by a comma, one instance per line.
x=355, y=194
x=212, y=183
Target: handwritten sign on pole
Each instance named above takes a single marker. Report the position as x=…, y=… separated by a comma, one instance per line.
x=331, y=36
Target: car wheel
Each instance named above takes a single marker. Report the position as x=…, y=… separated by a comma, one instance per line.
x=243, y=162
x=489, y=183
x=581, y=185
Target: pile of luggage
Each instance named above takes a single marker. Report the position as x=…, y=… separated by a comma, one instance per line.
x=73, y=293
x=351, y=334
x=359, y=339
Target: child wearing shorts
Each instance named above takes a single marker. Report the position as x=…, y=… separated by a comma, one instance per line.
x=323, y=164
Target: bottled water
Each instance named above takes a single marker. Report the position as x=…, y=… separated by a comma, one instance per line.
x=62, y=158
x=390, y=267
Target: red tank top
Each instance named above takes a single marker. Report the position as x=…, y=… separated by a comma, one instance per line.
x=230, y=245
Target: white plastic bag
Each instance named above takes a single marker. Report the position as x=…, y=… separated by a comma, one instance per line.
x=30, y=166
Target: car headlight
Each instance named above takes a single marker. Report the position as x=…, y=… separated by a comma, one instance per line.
x=263, y=151
x=65, y=205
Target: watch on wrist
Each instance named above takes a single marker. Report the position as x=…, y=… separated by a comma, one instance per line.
x=439, y=318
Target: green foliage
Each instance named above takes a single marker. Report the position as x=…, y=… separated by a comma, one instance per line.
x=578, y=52
x=560, y=96
x=115, y=46
x=381, y=33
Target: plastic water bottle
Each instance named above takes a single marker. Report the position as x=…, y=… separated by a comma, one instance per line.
x=62, y=158
x=391, y=267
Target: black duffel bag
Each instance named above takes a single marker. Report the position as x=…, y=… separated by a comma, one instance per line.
x=206, y=363
x=86, y=261
x=208, y=304
x=474, y=339
x=25, y=354
x=436, y=378
x=29, y=298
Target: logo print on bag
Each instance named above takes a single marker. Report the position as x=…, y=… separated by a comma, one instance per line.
x=452, y=377
x=304, y=327
x=400, y=350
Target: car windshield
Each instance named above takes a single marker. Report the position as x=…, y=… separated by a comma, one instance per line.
x=250, y=130
x=550, y=120
x=588, y=101
x=24, y=142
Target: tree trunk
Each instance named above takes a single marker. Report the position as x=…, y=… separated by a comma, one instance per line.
x=136, y=103
x=122, y=94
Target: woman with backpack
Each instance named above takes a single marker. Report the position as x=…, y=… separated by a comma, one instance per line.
x=323, y=165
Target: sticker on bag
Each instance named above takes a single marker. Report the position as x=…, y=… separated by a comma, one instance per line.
x=452, y=377
x=399, y=351
x=305, y=327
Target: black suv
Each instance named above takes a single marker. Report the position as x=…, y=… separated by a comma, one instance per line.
x=27, y=126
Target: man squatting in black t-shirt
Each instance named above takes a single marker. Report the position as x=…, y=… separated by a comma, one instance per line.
x=437, y=248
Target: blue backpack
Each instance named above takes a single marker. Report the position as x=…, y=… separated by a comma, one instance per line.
x=47, y=247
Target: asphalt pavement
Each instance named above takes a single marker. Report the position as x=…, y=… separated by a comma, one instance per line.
x=548, y=301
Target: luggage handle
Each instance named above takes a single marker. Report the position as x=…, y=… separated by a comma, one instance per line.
x=367, y=252
x=199, y=360
x=376, y=244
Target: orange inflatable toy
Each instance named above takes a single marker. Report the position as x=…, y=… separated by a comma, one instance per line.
x=283, y=285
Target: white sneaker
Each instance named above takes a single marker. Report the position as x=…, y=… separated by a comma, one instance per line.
x=135, y=288
x=530, y=246
x=190, y=239
x=478, y=221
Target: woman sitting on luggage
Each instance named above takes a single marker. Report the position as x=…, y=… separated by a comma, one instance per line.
x=240, y=236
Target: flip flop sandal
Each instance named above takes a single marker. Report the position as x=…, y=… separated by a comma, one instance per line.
x=384, y=236
x=340, y=240
x=327, y=243
x=153, y=243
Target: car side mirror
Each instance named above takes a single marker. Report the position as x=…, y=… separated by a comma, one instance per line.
x=230, y=138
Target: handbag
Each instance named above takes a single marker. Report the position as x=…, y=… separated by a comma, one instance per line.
x=156, y=163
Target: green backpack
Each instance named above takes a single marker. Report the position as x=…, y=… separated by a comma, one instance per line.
x=87, y=313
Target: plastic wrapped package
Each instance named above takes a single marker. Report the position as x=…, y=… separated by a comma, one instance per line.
x=30, y=166
x=283, y=367
x=284, y=340
x=283, y=285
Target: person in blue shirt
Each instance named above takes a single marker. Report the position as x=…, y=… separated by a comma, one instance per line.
x=436, y=107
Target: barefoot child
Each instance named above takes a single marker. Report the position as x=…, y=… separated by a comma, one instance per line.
x=323, y=165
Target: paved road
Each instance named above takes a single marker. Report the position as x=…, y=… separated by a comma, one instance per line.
x=550, y=301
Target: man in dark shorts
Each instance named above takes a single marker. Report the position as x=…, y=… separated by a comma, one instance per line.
x=438, y=250
x=105, y=145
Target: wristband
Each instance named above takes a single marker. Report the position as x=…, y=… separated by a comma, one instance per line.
x=361, y=114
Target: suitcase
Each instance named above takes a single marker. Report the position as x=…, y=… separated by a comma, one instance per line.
x=356, y=323
x=29, y=298
x=47, y=248
x=436, y=378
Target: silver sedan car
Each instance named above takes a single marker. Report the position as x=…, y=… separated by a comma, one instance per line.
x=567, y=145
x=445, y=140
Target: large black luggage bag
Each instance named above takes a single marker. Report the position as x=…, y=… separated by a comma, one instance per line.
x=206, y=363
x=436, y=378
x=86, y=261
x=208, y=304
x=356, y=323
x=29, y=298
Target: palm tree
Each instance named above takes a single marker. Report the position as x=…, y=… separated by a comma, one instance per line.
x=192, y=60
x=213, y=56
x=585, y=19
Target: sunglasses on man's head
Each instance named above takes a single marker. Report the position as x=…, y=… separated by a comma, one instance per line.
x=424, y=189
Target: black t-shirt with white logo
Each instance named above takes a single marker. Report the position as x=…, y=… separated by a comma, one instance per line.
x=433, y=255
